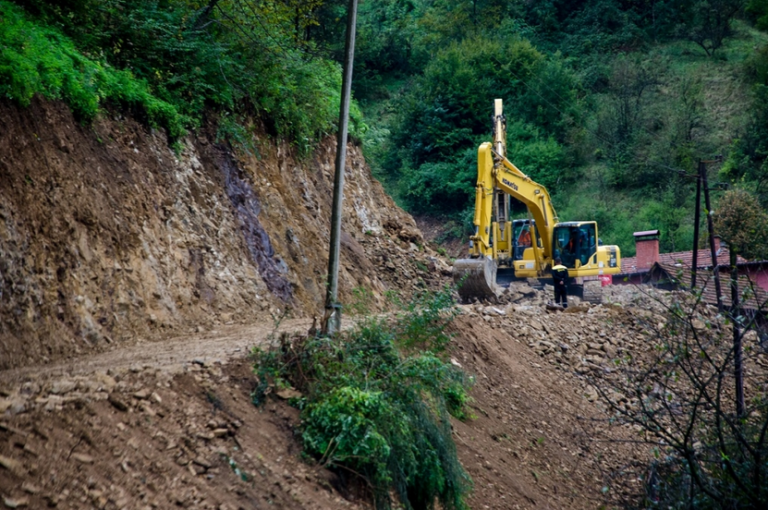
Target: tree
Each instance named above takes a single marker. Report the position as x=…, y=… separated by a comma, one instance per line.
x=675, y=395
x=444, y=116
x=743, y=224
x=707, y=22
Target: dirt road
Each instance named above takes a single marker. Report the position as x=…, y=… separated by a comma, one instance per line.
x=220, y=344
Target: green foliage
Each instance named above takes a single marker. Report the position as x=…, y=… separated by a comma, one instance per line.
x=742, y=223
x=443, y=117
x=361, y=302
x=423, y=321
x=747, y=161
x=232, y=130
x=377, y=411
x=706, y=22
x=758, y=11
x=607, y=104
x=726, y=474
x=41, y=60
x=231, y=55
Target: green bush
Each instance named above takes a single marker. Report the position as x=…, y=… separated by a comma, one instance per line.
x=377, y=402
x=171, y=62
x=40, y=60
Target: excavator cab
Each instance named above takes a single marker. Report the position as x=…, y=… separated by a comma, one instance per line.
x=575, y=243
x=522, y=237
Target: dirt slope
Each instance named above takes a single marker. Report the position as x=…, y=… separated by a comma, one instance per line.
x=179, y=429
x=134, y=280
x=107, y=235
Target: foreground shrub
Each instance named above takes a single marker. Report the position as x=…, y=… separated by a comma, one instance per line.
x=377, y=412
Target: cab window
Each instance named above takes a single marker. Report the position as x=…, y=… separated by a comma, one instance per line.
x=575, y=244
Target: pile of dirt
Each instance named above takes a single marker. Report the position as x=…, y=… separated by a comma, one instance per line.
x=145, y=438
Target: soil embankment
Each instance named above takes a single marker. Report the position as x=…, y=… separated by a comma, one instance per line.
x=178, y=429
x=108, y=236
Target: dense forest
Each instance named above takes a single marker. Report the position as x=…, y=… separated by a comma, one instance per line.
x=610, y=104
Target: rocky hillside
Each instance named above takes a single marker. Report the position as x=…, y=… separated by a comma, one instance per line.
x=134, y=279
x=108, y=235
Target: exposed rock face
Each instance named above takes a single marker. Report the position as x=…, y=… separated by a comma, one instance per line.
x=107, y=235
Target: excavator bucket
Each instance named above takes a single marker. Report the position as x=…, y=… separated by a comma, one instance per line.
x=475, y=278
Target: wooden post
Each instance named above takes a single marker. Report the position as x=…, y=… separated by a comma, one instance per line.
x=696, y=221
x=332, y=317
x=737, y=350
x=711, y=229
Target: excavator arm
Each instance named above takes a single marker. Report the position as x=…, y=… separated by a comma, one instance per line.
x=496, y=176
x=497, y=172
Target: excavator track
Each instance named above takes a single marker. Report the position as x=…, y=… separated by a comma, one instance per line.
x=475, y=278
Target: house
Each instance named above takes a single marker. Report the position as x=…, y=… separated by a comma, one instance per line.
x=677, y=276
x=634, y=269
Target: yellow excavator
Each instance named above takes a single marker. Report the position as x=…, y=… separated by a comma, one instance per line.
x=503, y=250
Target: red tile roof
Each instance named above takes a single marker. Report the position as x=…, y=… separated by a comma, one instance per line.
x=751, y=295
x=704, y=260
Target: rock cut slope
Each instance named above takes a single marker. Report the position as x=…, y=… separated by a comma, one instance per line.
x=110, y=240
x=107, y=235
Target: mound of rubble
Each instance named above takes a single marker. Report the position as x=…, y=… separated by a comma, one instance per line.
x=588, y=339
x=144, y=438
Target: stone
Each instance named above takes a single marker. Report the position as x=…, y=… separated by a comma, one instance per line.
x=287, y=393
x=30, y=488
x=117, y=402
x=12, y=465
x=142, y=394
x=15, y=502
x=62, y=387
x=83, y=458
x=202, y=462
x=17, y=405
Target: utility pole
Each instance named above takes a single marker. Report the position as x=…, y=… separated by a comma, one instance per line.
x=696, y=221
x=738, y=361
x=711, y=229
x=332, y=317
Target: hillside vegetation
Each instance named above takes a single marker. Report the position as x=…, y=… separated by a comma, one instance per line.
x=609, y=104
